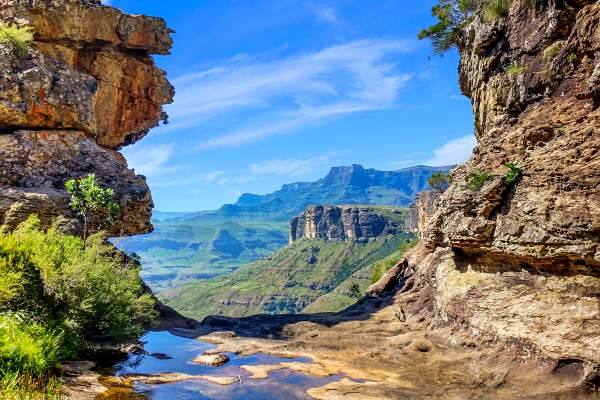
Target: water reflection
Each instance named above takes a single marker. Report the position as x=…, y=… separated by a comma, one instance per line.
x=281, y=384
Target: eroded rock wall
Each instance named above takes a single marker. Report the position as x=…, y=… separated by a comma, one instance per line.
x=341, y=223
x=517, y=262
x=86, y=87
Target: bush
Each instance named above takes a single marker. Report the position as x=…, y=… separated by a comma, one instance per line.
x=475, y=180
x=553, y=50
x=454, y=15
x=439, y=181
x=495, y=9
x=92, y=291
x=516, y=69
x=19, y=38
x=513, y=174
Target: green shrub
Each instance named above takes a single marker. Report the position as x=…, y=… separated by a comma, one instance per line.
x=513, y=174
x=95, y=204
x=516, y=69
x=439, y=181
x=454, y=15
x=19, y=38
x=553, y=50
x=572, y=58
x=475, y=180
x=495, y=9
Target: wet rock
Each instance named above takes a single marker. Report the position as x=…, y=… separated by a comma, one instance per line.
x=213, y=360
x=161, y=356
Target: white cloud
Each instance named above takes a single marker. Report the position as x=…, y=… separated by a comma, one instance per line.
x=290, y=167
x=189, y=179
x=270, y=97
x=456, y=151
x=150, y=161
x=326, y=14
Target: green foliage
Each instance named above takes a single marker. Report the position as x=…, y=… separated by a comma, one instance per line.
x=94, y=203
x=476, y=180
x=495, y=9
x=61, y=293
x=354, y=291
x=439, y=181
x=454, y=15
x=571, y=58
x=19, y=38
x=516, y=69
x=513, y=174
x=553, y=50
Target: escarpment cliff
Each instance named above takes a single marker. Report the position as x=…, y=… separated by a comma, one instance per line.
x=86, y=87
x=345, y=223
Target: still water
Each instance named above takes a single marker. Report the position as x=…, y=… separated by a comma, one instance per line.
x=281, y=384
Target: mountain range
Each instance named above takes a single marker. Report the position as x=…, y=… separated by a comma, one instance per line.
x=205, y=244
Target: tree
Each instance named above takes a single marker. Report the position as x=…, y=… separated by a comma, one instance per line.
x=439, y=181
x=92, y=202
x=354, y=291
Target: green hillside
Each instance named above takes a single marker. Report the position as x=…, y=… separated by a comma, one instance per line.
x=287, y=282
x=207, y=244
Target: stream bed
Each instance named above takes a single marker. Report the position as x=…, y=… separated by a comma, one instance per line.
x=281, y=384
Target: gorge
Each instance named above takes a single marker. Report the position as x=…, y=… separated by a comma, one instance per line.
x=500, y=297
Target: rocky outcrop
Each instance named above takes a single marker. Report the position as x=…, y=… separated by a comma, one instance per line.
x=517, y=261
x=421, y=211
x=343, y=223
x=85, y=88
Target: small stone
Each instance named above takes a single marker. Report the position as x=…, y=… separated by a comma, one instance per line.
x=213, y=360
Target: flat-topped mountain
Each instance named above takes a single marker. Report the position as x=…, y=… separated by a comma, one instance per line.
x=346, y=223
x=205, y=244
x=352, y=184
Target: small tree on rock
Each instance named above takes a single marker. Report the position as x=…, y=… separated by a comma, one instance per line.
x=439, y=181
x=94, y=203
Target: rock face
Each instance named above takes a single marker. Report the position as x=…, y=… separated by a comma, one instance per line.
x=421, y=211
x=518, y=260
x=342, y=223
x=87, y=87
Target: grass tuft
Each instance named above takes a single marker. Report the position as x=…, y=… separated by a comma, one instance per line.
x=20, y=38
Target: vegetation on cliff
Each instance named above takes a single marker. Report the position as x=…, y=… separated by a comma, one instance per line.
x=289, y=281
x=57, y=293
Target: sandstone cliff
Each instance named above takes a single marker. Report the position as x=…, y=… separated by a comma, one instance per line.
x=518, y=262
x=87, y=87
x=345, y=223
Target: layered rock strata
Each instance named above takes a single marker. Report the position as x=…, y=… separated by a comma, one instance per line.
x=86, y=87
x=342, y=223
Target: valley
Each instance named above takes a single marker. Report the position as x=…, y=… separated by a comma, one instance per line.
x=207, y=244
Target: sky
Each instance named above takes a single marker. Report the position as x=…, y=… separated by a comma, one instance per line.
x=277, y=91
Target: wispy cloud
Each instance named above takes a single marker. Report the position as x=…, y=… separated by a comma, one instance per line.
x=291, y=167
x=325, y=14
x=150, y=161
x=456, y=151
x=190, y=179
x=271, y=97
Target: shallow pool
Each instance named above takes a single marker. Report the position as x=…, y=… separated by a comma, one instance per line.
x=281, y=384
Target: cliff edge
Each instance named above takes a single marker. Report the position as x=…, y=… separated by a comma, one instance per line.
x=86, y=87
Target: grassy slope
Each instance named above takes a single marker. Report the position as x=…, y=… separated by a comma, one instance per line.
x=285, y=282
x=204, y=247
x=341, y=297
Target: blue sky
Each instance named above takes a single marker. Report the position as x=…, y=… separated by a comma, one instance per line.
x=277, y=91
